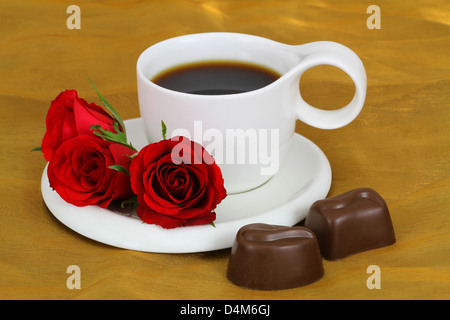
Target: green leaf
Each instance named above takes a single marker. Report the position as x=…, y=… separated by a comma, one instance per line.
x=110, y=108
x=212, y=222
x=163, y=129
x=133, y=155
x=119, y=168
x=37, y=149
x=105, y=134
x=132, y=201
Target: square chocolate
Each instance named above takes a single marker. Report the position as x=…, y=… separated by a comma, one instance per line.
x=352, y=222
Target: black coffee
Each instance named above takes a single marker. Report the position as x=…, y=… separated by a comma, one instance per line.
x=216, y=77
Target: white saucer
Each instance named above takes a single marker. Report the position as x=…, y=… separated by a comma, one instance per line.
x=284, y=200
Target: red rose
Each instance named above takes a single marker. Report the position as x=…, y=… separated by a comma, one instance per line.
x=79, y=171
x=70, y=116
x=177, y=183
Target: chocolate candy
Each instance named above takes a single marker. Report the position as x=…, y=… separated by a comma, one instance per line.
x=349, y=223
x=270, y=257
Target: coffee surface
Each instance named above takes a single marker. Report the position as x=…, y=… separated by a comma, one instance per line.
x=216, y=77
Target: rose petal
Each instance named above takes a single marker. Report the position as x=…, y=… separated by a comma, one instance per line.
x=173, y=181
x=89, y=115
x=202, y=206
x=174, y=188
x=151, y=197
x=78, y=172
x=170, y=222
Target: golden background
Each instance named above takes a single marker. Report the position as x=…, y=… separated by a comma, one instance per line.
x=399, y=145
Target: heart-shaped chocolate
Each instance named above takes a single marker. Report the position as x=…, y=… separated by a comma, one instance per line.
x=351, y=222
x=271, y=257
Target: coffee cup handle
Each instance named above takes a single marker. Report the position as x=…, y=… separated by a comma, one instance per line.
x=334, y=54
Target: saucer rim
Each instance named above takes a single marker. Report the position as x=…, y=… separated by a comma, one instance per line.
x=224, y=231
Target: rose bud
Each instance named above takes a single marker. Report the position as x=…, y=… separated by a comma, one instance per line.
x=70, y=116
x=177, y=183
x=79, y=171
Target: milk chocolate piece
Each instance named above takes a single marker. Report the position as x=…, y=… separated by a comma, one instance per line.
x=352, y=222
x=270, y=257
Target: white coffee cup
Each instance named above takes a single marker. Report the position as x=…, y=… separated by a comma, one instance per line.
x=268, y=113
